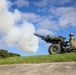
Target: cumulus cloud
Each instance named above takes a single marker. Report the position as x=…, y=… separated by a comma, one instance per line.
x=32, y=17
x=15, y=34
x=45, y=24
x=63, y=2
x=43, y=3
x=61, y=10
x=45, y=32
x=21, y=3
x=48, y=24
x=66, y=15
x=68, y=19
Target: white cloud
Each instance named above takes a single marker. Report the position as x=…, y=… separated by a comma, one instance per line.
x=21, y=3
x=45, y=23
x=43, y=3
x=69, y=18
x=45, y=32
x=48, y=24
x=63, y=2
x=35, y=18
x=31, y=17
x=61, y=10
x=66, y=15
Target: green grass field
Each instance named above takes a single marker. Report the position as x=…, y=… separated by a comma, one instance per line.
x=66, y=57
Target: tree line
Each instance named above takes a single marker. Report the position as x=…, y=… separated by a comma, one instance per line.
x=5, y=54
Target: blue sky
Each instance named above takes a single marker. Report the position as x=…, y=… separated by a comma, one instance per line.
x=53, y=17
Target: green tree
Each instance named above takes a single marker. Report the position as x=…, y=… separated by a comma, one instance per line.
x=5, y=54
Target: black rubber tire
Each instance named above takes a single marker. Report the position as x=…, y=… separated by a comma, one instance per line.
x=54, y=49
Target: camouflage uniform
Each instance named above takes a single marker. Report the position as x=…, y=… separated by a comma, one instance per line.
x=72, y=41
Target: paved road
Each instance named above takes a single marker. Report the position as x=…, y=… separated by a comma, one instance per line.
x=67, y=68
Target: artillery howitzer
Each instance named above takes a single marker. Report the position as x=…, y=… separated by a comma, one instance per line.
x=58, y=44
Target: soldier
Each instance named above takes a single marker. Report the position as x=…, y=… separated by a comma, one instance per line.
x=72, y=40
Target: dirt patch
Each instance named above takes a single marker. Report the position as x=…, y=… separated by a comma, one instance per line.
x=65, y=68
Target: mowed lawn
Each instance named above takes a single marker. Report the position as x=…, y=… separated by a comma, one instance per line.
x=66, y=57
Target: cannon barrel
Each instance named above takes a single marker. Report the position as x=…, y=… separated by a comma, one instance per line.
x=42, y=37
x=39, y=35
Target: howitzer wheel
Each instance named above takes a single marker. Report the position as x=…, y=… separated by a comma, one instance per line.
x=54, y=49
